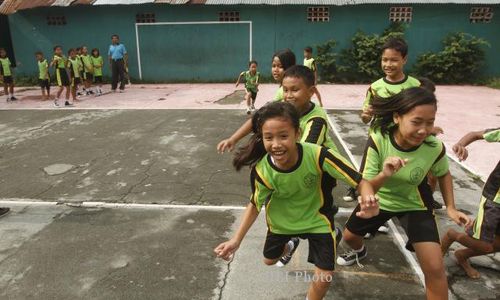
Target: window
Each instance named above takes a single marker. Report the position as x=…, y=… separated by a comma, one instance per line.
x=56, y=20
x=318, y=14
x=400, y=14
x=229, y=16
x=481, y=14
x=145, y=18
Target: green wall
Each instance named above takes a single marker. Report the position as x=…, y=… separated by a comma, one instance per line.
x=219, y=52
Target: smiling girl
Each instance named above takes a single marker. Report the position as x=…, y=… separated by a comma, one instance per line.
x=292, y=180
x=402, y=127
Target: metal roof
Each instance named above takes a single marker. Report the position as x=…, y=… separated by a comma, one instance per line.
x=344, y=2
x=114, y=2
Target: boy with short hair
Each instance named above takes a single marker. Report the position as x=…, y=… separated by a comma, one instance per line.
x=6, y=76
x=88, y=70
x=74, y=70
x=311, y=64
x=43, y=75
x=59, y=62
x=483, y=237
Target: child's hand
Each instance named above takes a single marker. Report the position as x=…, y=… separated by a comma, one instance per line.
x=392, y=164
x=459, y=217
x=437, y=130
x=369, y=206
x=460, y=151
x=237, y=84
x=225, y=145
x=226, y=250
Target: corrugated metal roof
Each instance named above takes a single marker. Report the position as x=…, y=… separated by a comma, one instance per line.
x=344, y=2
x=62, y=2
x=115, y=2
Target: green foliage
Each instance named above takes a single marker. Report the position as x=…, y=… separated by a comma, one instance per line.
x=460, y=61
x=494, y=83
x=327, y=61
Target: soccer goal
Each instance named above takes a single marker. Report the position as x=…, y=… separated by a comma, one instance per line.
x=193, y=50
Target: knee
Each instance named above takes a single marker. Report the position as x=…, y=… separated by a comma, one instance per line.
x=434, y=269
x=270, y=262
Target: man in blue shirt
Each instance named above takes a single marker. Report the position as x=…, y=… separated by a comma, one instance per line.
x=118, y=58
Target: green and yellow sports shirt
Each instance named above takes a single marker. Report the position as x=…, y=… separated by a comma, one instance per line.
x=74, y=67
x=279, y=96
x=384, y=88
x=314, y=127
x=97, y=63
x=87, y=63
x=251, y=80
x=310, y=63
x=5, y=67
x=406, y=190
x=491, y=189
x=43, y=67
x=60, y=61
x=299, y=200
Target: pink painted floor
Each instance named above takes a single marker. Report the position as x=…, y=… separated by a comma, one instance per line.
x=461, y=108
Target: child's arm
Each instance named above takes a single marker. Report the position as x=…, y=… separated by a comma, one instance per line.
x=315, y=131
x=367, y=113
x=446, y=187
x=315, y=68
x=459, y=148
x=227, y=249
x=228, y=144
x=239, y=78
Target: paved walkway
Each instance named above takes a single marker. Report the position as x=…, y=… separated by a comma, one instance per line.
x=461, y=108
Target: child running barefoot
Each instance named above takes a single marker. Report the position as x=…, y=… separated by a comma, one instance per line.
x=251, y=85
x=483, y=237
x=402, y=128
x=43, y=75
x=59, y=62
x=291, y=179
x=6, y=76
x=97, y=63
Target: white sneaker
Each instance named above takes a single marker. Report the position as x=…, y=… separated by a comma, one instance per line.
x=384, y=228
x=249, y=110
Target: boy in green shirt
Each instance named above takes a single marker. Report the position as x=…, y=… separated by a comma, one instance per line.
x=97, y=63
x=311, y=64
x=43, y=75
x=59, y=62
x=74, y=70
x=87, y=70
x=483, y=237
x=6, y=76
x=251, y=85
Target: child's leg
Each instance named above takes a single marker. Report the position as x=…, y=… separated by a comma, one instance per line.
x=44, y=96
x=320, y=284
x=6, y=90
x=248, y=96
x=68, y=91
x=318, y=95
x=431, y=262
x=467, y=241
x=353, y=240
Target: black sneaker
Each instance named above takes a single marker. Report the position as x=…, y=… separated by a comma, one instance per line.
x=4, y=210
x=352, y=257
x=68, y=104
x=288, y=257
x=436, y=205
x=351, y=195
x=338, y=236
x=13, y=98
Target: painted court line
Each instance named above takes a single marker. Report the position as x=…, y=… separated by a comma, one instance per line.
x=399, y=241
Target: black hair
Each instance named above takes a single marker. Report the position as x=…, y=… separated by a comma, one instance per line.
x=301, y=72
x=94, y=50
x=115, y=35
x=427, y=84
x=308, y=49
x=397, y=44
x=57, y=46
x=252, y=62
x=39, y=53
x=1, y=48
x=71, y=50
x=401, y=103
x=286, y=57
x=254, y=150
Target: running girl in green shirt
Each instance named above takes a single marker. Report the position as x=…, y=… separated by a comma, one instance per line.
x=97, y=63
x=43, y=75
x=402, y=127
x=251, y=85
x=293, y=181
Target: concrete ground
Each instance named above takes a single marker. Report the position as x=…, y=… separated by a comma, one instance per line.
x=116, y=199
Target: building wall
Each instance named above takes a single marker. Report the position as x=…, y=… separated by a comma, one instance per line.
x=216, y=52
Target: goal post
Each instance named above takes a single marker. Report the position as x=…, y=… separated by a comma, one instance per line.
x=200, y=23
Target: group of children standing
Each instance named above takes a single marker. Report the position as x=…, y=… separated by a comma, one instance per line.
x=294, y=167
x=79, y=68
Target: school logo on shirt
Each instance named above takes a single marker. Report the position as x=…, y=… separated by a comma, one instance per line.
x=310, y=180
x=416, y=175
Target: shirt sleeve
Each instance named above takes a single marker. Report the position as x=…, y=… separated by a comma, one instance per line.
x=371, y=163
x=368, y=98
x=339, y=168
x=440, y=166
x=124, y=50
x=315, y=131
x=492, y=135
x=109, y=51
x=261, y=191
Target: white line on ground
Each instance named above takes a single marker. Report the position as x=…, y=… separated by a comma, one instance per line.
x=398, y=238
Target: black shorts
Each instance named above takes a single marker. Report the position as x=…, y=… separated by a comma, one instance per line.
x=487, y=223
x=253, y=94
x=321, y=248
x=8, y=80
x=419, y=225
x=97, y=79
x=44, y=83
x=62, y=77
x=88, y=76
